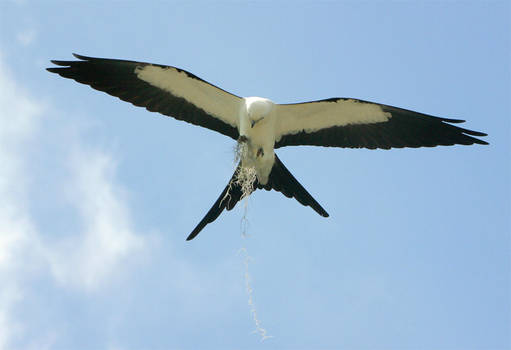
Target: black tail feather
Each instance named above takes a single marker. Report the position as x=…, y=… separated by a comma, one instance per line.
x=283, y=181
x=280, y=180
x=227, y=200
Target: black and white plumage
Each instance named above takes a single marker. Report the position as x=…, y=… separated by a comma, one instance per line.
x=261, y=124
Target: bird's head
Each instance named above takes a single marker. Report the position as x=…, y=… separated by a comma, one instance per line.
x=258, y=109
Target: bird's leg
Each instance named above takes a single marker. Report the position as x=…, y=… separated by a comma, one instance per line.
x=242, y=139
x=245, y=151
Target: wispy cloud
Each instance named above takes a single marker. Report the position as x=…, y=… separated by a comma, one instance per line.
x=26, y=37
x=18, y=120
x=94, y=250
x=107, y=238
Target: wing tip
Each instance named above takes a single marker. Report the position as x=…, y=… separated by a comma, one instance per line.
x=82, y=57
x=198, y=228
x=454, y=121
x=61, y=63
x=481, y=142
x=475, y=133
x=65, y=64
x=191, y=236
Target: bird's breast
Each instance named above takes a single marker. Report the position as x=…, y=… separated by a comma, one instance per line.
x=258, y=150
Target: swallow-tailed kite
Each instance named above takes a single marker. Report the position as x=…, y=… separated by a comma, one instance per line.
x=261, y=125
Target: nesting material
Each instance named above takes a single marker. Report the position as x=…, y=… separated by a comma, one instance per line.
x=245, y=175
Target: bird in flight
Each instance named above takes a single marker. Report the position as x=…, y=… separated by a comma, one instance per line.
x=260, y=125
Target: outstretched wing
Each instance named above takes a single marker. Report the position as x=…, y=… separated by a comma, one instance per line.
x=280, y=180
x=345, y=122
x=164, y=89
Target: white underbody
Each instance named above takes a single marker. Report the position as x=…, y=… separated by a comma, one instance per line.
x=257, y=124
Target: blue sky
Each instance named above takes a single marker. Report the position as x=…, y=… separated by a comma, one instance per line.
x=97, y=196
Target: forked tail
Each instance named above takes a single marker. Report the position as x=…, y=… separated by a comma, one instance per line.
x=280, y=180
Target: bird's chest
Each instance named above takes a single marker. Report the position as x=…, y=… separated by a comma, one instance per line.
x=258, y=150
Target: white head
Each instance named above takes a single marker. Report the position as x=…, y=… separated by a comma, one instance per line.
x=258, y=108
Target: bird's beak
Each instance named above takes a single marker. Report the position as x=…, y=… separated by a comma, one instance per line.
x=254, y=122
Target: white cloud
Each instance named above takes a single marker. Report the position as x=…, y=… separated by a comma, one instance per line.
x=95, y=249
x=9, y=295
x=18, y=120
x=26, y=37
x=88, y=259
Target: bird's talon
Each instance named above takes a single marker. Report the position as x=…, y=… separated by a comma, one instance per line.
x=242, y=139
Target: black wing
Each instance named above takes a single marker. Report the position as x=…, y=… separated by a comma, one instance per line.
x=164, y=89
x=342, y=122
